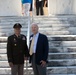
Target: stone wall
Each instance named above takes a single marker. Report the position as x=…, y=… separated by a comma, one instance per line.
x=10, y=8
x=62, y=6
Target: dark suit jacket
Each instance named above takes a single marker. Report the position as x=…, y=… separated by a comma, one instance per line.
x=41, y=49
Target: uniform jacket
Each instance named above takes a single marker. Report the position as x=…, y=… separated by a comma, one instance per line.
x=17, y=49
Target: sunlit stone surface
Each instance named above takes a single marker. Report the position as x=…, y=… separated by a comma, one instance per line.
x=62, y=7
x=10, y=8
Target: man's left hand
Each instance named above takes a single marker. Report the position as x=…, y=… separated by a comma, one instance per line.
x=43, y=63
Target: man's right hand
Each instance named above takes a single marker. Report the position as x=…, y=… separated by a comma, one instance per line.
x=10, y=64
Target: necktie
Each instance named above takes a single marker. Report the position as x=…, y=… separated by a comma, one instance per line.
x=31, y=47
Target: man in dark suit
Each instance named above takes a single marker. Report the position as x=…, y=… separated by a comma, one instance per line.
x=17, y=50
x=38, y=51
x=39, y=7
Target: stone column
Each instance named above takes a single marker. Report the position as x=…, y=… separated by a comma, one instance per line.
x=62, y=6
x=10, y=8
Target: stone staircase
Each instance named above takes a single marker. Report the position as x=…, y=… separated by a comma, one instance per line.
x=62, y=42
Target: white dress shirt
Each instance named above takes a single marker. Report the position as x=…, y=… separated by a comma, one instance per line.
x=35, y=42
x=40, y=0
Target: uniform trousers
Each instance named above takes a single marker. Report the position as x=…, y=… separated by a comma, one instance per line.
x=17, y=69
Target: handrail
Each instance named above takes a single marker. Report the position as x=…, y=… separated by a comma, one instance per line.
x=28, y=31
x=28, y=36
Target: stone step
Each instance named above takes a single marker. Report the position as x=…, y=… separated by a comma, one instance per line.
x=41, y=29
x=38, y=17
x=5, y=64
x=13, y=20
x=51, y=70
x=51, y=56
x=51, y=38
x=3, y=51
x=59, y=56
x=63, y=53
x=12, y=30
x=6, y=34
x=70, y=50
x=52, y=50
x=51, y=63
x=7, y=25
x=45, y=18
x=55, y=17
x=62, y=70
x=3, y=45
x=62, y=38
x=62, y=63
x=49, y=32
x=58, y=29
x=62, y=49
x=3, y=39
x=41, y=25
x=62, y=60
x=3, y=57
x=52, y=17
x=12, y=23
x=57, y=32
x=59, y=49
x=11, y=26
x=70, y=29
x=52, y=44
x=62, y=44
x=8, y=71
x=51, y=21
x=63, y=32
x=13, y=17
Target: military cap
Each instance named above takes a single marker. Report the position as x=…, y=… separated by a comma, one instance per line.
x=17, y=25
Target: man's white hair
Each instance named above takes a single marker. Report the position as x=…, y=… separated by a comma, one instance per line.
x=34, y=24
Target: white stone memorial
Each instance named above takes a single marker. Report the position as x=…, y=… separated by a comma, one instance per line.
x=10, y=8
x=62, y=7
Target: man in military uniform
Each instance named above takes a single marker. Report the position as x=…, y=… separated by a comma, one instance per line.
x=17, y=50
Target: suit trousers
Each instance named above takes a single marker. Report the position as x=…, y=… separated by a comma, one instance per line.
x=39, y=8
x=38, y=69
x=17, y=69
